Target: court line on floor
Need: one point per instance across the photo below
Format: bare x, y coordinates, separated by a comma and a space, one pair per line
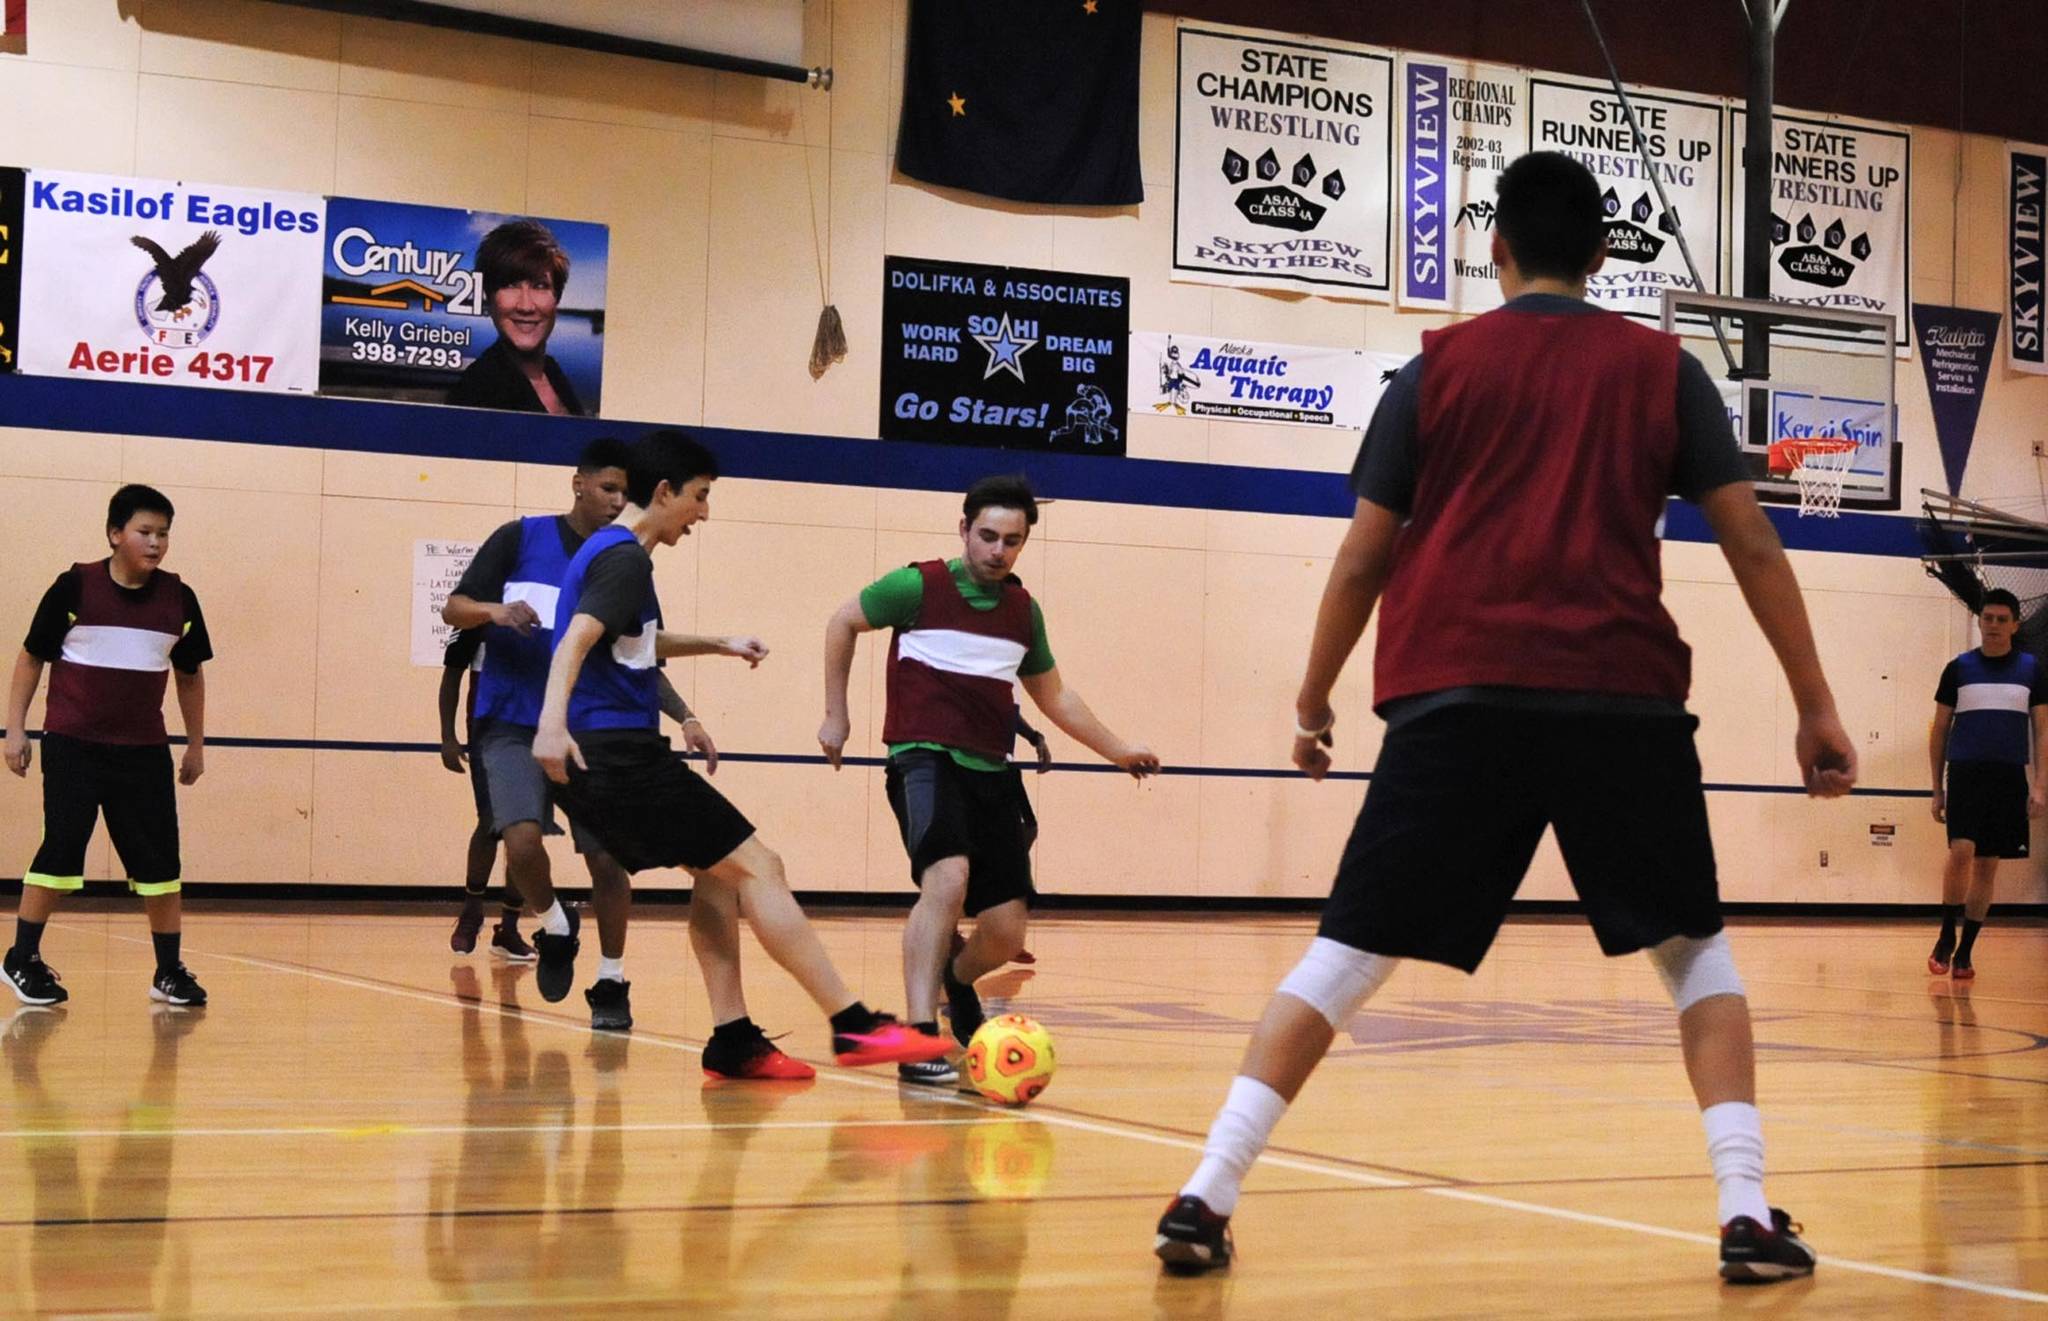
1834, 1263
457, 1130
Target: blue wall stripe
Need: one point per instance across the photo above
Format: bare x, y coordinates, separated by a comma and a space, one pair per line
127, 408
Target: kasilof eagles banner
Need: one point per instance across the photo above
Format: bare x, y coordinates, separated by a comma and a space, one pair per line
2026, 170
1685, 140
1464, 124
1003, 356
1283, 159
171, 283
1841, 201
13, 183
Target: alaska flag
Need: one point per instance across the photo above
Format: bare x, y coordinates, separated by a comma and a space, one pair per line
1030, 100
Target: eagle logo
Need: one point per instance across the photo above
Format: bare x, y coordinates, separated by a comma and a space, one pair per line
177, 304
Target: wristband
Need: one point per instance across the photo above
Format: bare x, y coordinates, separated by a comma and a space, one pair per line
1328, 725
691, 720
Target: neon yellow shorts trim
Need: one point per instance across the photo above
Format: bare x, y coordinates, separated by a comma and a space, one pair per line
54, 882
151, 889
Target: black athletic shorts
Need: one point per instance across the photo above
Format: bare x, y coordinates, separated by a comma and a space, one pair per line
947, 811
1460, 799
1987, 805
134, 787
646, 806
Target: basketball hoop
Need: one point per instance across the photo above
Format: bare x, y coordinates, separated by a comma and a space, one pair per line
1819, 464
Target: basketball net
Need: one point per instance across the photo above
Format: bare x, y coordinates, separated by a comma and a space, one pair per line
1819, 465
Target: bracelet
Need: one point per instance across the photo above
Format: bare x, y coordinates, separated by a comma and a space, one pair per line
691, 720
1328, 725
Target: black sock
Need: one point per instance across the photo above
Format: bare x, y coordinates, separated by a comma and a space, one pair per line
508, 917
1970, 930
930, 1029
739, 1028
1946, 941
856, 1017
28, 936
166, 943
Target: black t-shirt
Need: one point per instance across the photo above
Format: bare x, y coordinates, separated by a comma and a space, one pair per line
54, 613
495, 381
1384, 472
616, 584
484, 579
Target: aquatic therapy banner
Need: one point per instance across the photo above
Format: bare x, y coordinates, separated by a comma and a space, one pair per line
1284, 156
1001, 355
1244, 381
1463, 124
2025, 171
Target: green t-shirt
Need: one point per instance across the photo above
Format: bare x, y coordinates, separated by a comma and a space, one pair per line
892, 601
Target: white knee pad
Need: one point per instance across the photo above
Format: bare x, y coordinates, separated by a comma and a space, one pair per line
1334, 979
1693, 969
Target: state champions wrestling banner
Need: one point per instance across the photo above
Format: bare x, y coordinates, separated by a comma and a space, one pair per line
169, 282
404, 315
1003, 356
1283, 160
1841, 206
2026, 168
13, 183
1227, 380
1685, 139
1462, 124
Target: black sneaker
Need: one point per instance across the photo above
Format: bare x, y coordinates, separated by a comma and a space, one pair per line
1193, 1239
509, 945
1751, 1254
33, 981
611, 1005
463, 939
963, 1006
177, 987
929, 1073
557, 972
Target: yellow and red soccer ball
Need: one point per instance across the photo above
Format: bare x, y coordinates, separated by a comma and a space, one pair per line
1010, 1059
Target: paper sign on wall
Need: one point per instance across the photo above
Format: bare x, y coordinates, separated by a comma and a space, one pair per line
437, 566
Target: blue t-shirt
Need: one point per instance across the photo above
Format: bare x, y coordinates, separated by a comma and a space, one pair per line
522, 561
612, 580
1993, 698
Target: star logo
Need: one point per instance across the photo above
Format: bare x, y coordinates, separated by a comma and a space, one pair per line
958, 102
1088, 5
1005, 349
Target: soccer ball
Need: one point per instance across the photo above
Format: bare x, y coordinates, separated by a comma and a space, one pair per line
1008, 1159
1010, 1059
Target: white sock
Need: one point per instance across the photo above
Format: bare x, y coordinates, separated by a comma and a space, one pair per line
611, 969
1235, 1140
555, 922
1735, 1144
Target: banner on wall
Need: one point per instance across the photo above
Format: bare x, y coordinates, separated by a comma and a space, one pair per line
1003, 356
1685, 138
1956, 347
404, 314
13, 183
1230, 380
437, 566
1840, 220
1464, 124
1284, 154
2026, 169
167, 282
14, 21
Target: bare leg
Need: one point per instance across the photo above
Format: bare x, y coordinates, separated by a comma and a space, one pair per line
1955, 871
483, 854
611, 896
754, 873
1977, 901
37, 903
526, 866
1286, 1046
715, 939
928, 933
1720, 1053
998, 936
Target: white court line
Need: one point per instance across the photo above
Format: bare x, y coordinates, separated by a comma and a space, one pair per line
430, 1130
1833, 1263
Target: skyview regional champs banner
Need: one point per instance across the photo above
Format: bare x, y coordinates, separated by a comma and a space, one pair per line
2025, 170
1003, 356
1465, 123
1842, 193
1283, 157
1685, 139
1242, 381
180, 284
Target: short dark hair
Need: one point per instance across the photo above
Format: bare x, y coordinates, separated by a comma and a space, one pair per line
134, 499
602, 453
667, 455
1009, 491
521, 250
1999, 596
1550, 215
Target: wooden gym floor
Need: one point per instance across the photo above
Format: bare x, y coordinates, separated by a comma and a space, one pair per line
365, 1125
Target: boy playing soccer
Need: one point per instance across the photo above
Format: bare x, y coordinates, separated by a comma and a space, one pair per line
1509, 492
461, 658
112, 632
598, 741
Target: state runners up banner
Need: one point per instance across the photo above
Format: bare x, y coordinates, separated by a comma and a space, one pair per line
2025, 171
1841, 196
1684, 137
1464, 124
1003, 356
172, 283
1284, 153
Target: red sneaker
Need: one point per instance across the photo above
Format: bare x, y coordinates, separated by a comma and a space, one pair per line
1936, 967
887, 1042
1962, 972
754, 1059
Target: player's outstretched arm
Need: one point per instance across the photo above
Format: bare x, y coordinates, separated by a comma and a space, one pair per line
842, 635
1357, 576
669, 646
552, 746
28, 672
1064, 707
1827, 760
